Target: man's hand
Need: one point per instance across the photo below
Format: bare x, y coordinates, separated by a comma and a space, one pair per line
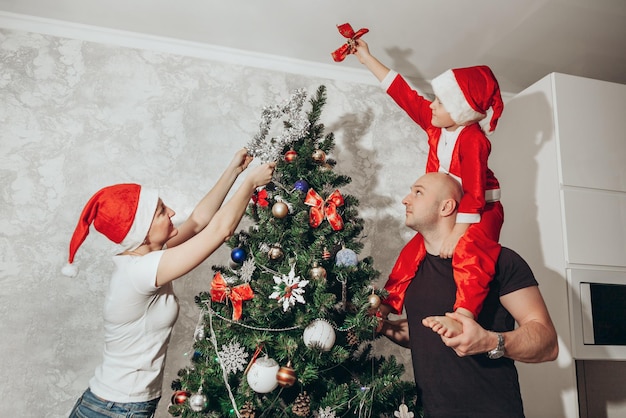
473, 339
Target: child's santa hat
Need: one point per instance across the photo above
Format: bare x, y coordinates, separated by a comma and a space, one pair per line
470, 94
123, 213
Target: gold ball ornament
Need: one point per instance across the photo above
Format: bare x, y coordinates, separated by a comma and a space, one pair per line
374, 300
280, 210
317, 272
286, 376
275, 252
319, 156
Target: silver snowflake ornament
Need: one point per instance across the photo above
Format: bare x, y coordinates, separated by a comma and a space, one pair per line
246, 270
233, 357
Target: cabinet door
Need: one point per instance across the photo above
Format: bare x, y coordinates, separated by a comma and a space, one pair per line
590, 130
595, 227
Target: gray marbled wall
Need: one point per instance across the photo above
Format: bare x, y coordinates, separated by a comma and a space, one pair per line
76, 116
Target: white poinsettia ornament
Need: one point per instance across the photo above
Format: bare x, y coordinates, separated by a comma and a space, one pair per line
325, 413
403, 412
289, 289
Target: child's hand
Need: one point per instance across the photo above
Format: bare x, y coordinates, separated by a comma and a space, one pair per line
448, 246
449, 243
361, 50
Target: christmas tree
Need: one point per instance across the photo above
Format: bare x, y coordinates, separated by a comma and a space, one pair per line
287, 326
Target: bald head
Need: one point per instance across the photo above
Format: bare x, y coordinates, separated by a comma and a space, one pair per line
432, 204
445, 184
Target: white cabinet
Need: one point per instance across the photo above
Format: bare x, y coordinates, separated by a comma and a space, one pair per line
559, 152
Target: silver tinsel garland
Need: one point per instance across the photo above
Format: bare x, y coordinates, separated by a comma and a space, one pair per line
297, 126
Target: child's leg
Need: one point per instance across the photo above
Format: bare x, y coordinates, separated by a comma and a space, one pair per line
475, 259
474, 264
446, 326
403, 272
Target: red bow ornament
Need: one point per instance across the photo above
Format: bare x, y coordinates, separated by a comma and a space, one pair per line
260, 198
321, 209
220, 291
348, 48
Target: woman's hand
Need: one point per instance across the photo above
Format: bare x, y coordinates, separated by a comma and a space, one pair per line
240, 161
261, 175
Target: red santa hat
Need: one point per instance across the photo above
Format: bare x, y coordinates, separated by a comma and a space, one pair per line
123, 213
470, 94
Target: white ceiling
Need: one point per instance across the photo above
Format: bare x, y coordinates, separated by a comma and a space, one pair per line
521, 40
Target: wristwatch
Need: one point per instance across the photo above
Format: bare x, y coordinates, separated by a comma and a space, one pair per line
497, 352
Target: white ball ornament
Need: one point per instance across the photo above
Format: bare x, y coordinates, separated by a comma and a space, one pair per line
262, 375
346, 258
319, 334
198, 402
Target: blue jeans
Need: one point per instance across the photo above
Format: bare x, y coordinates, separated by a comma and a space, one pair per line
90, 406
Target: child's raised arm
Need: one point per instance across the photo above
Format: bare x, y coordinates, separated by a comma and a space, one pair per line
377, 68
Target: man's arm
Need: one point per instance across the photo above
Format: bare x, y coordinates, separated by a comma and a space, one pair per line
533, 341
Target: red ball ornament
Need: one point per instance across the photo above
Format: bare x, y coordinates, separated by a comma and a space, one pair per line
180, 397
286, 376
290, 156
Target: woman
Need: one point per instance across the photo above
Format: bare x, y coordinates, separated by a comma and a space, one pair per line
140, 307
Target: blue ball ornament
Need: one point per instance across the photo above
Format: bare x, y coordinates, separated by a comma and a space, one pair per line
238, 255
346, 258
302, 186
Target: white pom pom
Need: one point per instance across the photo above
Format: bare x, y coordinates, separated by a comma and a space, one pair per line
69, 270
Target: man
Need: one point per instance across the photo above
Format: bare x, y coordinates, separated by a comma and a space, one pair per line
472, 373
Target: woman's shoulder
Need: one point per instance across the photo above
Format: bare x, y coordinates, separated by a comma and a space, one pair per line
139, 270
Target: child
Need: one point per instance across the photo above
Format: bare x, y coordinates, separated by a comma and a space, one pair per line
467, 104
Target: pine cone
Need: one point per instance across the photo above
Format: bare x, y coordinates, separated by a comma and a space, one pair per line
302, 405
247, 410
352, 338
